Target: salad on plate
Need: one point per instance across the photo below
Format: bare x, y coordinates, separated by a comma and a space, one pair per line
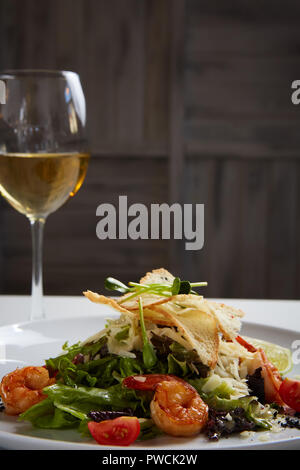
172, 363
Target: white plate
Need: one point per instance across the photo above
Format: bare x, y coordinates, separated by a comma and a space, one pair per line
32, 343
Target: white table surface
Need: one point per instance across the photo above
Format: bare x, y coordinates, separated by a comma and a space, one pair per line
279, 313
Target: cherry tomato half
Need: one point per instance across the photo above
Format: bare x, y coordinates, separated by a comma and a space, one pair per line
115, 432
290, 393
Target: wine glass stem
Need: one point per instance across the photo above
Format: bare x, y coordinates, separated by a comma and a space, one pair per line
37, 229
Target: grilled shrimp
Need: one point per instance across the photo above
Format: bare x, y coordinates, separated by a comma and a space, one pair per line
23, 388
176, 408
270, 374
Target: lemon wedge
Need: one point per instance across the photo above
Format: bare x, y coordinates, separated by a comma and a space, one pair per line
279, 356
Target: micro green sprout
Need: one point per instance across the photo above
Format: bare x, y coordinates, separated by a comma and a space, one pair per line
135, 289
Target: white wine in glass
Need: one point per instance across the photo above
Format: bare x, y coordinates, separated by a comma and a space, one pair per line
43, 151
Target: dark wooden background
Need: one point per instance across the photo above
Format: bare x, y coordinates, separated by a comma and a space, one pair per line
188, 100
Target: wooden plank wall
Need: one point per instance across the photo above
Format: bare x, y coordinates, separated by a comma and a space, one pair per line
187, 100
242, 144
121, 51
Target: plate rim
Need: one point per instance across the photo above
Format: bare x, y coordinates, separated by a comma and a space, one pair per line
93, 446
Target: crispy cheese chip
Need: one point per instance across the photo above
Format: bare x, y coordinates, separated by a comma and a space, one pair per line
101, 299
149, 300
196, 323
228, 319
158, 276
158, 318
155, 317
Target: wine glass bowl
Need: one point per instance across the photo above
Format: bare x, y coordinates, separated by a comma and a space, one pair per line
38, 184
43, 150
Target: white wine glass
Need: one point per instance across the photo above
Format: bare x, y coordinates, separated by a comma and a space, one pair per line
43, 152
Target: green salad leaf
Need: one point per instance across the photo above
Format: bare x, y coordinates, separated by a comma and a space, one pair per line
91, 365
177, 367
85, 399
219, 399
46, 416
148, 430
68, 406
123, 333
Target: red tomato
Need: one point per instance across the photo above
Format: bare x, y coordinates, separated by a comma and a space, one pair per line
147, 381
115, 432
290, 393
